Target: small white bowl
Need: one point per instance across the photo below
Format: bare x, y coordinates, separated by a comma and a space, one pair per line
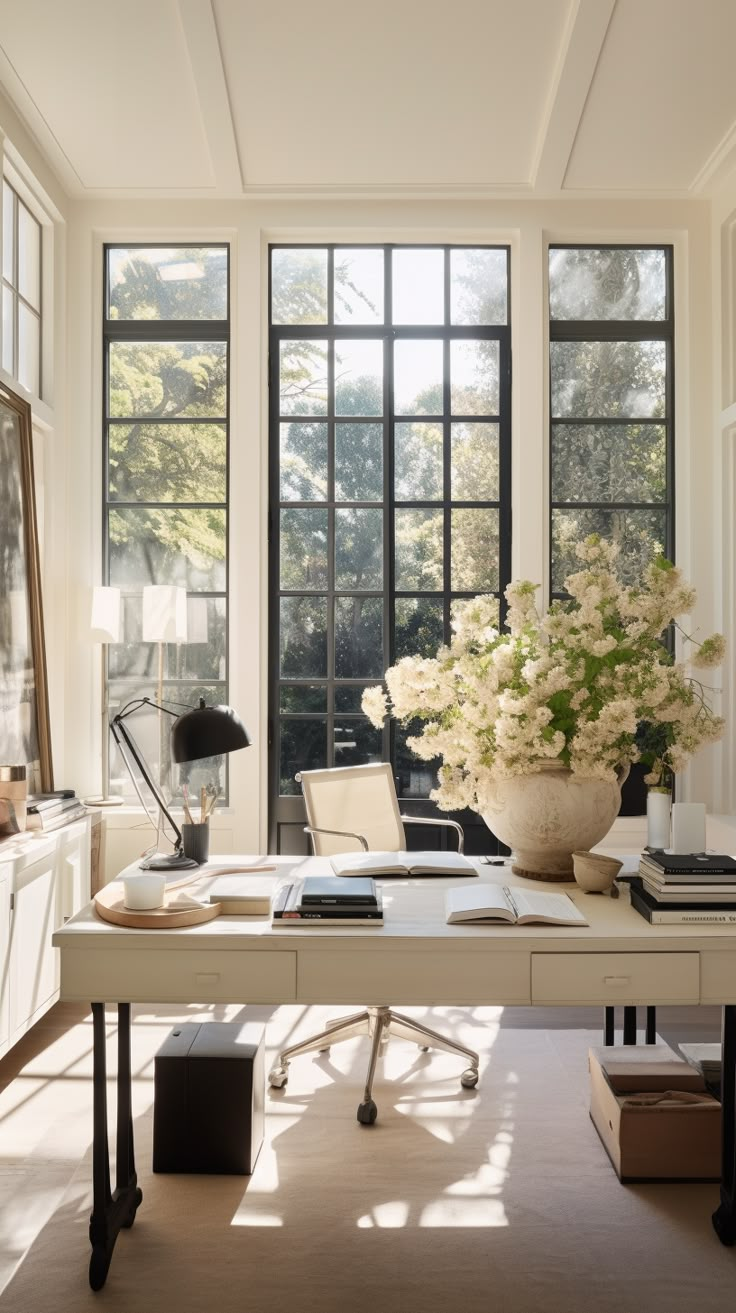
594, 872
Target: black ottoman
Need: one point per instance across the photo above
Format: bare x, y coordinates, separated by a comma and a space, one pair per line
209, 1088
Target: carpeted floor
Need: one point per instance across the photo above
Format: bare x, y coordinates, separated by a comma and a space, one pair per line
498, 1199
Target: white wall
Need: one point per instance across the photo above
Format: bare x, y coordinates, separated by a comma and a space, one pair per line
528, 226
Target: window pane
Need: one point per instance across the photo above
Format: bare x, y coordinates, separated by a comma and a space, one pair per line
359, 378
29, 350
475, 551
348, 697
358, 462
161, 282
475, 462
358, 286
478, 281
298, 286
418, 472
201, 657
167, 462
29, 257
357, 742
303, 697
158, 379
418, 286
608, 379
418, 377
303, 747
640, 536
418, 626
415, 778
418, 538
303, 378
358, 549
474, 377
607, 284
8, 331
183, 546
303, 637
358, 637
303, 466
303, 549
8, 233
608, 462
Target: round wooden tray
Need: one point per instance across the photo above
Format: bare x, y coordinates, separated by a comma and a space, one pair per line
110, 906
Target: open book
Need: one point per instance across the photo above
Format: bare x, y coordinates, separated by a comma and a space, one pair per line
496, 902
419, 863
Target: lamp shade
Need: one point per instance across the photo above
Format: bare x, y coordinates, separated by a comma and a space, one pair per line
164, 614
207, 732
105, 618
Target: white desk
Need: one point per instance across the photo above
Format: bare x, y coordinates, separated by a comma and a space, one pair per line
415, 957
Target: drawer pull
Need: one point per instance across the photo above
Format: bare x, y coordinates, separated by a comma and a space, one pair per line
617, 980
207, 977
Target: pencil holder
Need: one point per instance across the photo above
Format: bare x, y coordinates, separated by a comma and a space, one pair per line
195, 841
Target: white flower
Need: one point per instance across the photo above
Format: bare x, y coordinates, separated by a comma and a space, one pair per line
375, 705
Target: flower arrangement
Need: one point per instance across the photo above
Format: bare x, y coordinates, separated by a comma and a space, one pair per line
589, 683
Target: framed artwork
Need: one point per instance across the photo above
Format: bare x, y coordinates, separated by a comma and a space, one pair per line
24, 711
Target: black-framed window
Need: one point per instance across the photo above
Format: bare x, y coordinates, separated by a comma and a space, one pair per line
165, 496
390, 384
611, 403
21, 291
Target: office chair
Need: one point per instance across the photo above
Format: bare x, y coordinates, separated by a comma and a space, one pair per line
354, 808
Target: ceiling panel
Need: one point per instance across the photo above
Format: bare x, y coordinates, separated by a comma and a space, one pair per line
662, 99
114, 84
399, 92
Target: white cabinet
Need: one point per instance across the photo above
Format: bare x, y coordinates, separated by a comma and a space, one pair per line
44, 879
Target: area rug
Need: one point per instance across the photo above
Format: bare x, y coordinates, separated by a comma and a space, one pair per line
497, 1199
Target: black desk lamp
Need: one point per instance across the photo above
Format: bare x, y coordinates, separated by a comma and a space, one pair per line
201, 732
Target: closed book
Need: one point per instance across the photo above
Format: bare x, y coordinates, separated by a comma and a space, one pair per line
243, 895
289, 909
56, 821
679, 868
328, 890
690, 893
679, 914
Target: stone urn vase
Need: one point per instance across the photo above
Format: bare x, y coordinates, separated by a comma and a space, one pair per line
546, 816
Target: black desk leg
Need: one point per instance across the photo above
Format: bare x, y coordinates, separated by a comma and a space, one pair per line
724, 1218
629, 1025
609, 1026
111, 1211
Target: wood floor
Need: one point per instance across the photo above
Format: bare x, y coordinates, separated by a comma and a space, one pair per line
46, 1099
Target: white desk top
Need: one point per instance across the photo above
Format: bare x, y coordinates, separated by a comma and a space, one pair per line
414, 912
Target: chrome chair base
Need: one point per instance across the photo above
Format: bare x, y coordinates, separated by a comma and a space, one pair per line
380, 1023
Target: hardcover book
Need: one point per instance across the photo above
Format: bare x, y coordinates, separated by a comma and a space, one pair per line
498, 902
400, 863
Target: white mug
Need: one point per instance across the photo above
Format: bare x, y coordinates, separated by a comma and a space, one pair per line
144, 890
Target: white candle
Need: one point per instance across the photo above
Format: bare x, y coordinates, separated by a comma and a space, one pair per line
143, 890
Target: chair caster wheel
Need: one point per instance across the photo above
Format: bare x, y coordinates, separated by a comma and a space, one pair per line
321, 1051
367, 1113
424, 1048
278, 1077
470, 1078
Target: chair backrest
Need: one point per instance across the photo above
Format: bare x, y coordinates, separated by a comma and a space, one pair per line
361, 799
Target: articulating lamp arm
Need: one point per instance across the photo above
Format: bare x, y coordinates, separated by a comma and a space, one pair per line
130, 752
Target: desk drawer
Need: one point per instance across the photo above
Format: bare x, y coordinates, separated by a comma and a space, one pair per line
615, 978
412, 978
140, 975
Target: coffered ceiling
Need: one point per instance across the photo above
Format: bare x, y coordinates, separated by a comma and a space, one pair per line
226, 98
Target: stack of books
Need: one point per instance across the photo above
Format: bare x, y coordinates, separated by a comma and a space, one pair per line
49, 811
328, 901
685, 888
